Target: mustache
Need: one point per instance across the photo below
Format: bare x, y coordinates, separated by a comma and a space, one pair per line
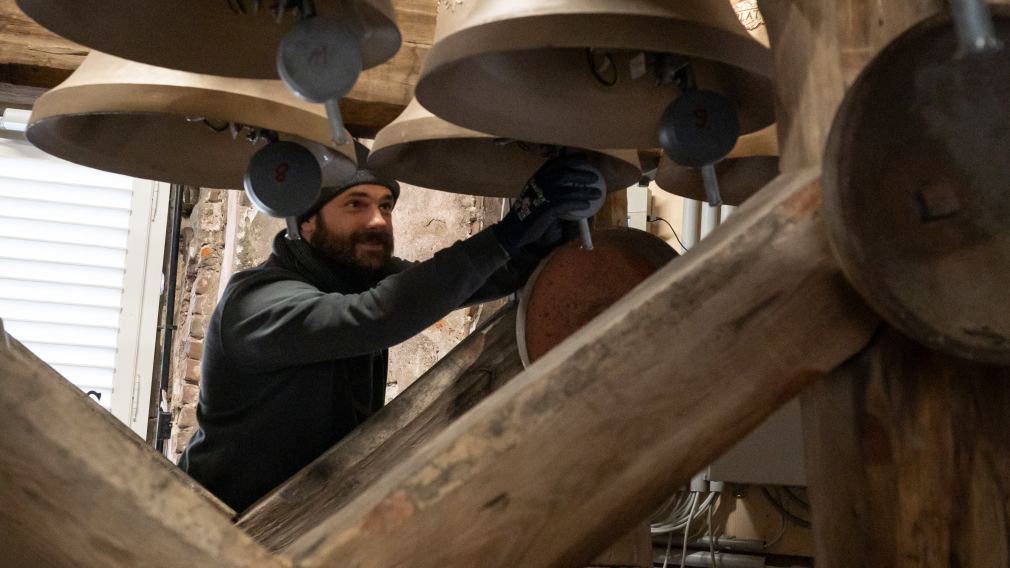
372, 237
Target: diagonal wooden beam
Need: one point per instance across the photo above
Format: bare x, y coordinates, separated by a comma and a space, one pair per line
583, 443
79, 489
32, 56
479, 365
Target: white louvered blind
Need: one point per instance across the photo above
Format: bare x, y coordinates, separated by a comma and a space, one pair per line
80, 261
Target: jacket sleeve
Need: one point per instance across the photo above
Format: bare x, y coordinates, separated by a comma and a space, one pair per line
504, 281
286, 323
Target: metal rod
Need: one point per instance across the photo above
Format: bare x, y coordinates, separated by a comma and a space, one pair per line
336, 122
975, 30
712, 194
690, 226
293, 233
587, 239
709, 219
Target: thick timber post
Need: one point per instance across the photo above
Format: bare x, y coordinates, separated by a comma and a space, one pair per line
906, 447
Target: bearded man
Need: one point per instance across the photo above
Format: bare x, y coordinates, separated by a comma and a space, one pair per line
295, 354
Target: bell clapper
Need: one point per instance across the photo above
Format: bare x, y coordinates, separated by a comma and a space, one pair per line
320, 61
698, 129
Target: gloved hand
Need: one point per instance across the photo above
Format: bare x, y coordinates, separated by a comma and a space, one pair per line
562, 185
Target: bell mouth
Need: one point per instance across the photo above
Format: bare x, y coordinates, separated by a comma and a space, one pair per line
162, 147
431, 153
739, 178
505, 77
211, 37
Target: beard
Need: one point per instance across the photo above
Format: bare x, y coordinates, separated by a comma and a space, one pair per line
366, 252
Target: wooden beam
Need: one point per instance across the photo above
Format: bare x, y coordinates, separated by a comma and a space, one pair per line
79, 489
908, 455
906, 449
32, 56
479, 365
589, 439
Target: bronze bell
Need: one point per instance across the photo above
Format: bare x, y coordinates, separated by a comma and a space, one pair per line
155, 123
751, 164
592, 74
421, 149
234, 38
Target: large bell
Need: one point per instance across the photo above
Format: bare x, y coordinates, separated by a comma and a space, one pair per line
235, 38
751, 164
421, 149
584, 73
155, 123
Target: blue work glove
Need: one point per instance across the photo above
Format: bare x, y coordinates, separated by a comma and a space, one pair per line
562, 185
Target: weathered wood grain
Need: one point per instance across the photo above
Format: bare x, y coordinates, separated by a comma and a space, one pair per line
588, 439
79, 489
908, 456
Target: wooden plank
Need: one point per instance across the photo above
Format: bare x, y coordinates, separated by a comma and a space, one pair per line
475, 368
908, 455
31, 55
587, 441
79, 489
18, 96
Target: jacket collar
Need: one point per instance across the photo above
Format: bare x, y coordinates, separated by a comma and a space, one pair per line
301, 257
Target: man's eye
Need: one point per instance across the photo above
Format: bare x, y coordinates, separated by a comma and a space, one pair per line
386, 207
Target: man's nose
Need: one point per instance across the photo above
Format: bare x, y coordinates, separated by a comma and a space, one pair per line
376, 218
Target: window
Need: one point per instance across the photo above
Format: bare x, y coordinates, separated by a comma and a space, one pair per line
80, 270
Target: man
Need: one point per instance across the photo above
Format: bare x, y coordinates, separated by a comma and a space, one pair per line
295, 354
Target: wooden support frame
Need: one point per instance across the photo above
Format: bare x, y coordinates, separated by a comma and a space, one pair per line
906, 448
757, 302
78, 488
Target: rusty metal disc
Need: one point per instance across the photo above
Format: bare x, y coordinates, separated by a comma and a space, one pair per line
915, 186
572, 285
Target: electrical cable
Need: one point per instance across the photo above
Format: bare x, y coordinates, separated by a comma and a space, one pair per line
778, 537
653, 219
669, 544
783, 510
711, 540
795, 498
687, 531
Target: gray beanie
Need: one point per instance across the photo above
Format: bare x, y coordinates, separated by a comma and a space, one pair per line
359, 177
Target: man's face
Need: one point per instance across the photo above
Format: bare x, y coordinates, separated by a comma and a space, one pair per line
355, 228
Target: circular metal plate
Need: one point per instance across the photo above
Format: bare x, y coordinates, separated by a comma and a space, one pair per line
915, 187
319, 59
699, 128
572, 285
283, 179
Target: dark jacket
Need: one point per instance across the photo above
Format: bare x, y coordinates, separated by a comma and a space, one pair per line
295, 354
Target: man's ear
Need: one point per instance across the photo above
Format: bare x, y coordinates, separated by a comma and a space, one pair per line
308, 228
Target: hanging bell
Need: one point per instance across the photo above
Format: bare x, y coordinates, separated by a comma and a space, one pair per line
234, 38
421, 149
751, 164
161, 124
591, 74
